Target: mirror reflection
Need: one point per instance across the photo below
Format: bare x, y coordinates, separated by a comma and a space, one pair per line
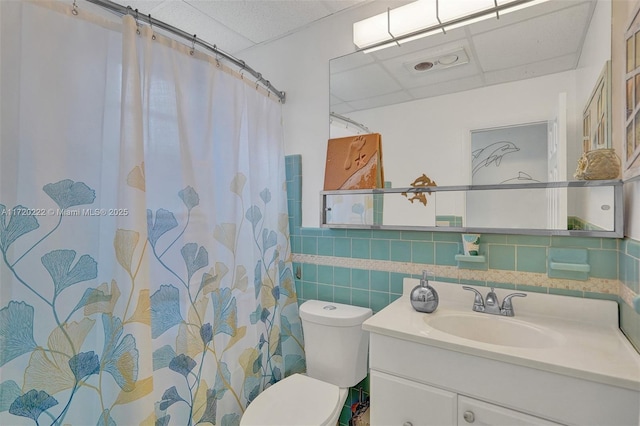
536, 209
539, 65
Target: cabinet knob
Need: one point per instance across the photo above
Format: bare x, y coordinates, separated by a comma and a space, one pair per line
407, 424
469, 417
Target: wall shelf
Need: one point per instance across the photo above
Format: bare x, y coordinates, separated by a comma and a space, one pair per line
568, 263
472, 259
372, 208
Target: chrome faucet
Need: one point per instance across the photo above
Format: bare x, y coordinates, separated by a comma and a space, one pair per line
490, 304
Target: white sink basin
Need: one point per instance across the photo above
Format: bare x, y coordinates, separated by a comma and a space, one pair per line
493, 329
573, 336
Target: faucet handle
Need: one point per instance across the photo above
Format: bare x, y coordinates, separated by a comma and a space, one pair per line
507, 305
491, 299
478, 301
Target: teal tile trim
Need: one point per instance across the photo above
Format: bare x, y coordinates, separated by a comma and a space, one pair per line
581, 242
531, 259
446, 253
422, 252
325, 246
380, 249
527, 240
361, 248
309, 245
611, 261
604, 264
502, 257
633, 248
400, 251
380, 281
325, 274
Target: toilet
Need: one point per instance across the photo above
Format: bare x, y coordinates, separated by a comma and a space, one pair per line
336, 350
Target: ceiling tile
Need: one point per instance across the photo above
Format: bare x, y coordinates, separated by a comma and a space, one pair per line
459, 85
338, 5
349, 62
187, 18
260, 21
538, 69
371, 81
538, 39
380, 101
144, 6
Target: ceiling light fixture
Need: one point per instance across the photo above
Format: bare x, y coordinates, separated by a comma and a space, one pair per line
425, 17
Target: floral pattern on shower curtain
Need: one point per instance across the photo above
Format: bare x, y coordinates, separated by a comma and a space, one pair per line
146, 272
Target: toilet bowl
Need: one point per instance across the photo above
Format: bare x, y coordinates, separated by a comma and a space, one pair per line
336, 350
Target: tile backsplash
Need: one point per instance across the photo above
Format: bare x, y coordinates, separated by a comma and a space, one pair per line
366, 267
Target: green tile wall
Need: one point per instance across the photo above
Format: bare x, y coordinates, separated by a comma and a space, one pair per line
610, 259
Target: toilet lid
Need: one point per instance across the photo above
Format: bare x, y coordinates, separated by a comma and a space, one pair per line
297, 400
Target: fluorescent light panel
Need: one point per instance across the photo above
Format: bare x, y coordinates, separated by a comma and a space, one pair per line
421, 15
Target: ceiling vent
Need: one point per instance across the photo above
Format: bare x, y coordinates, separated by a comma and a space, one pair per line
440, 61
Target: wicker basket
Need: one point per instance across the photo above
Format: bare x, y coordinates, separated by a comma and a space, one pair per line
598, 164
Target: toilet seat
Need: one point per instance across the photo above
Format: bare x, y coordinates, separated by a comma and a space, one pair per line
298, 400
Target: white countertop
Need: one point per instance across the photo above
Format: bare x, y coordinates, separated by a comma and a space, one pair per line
588, 343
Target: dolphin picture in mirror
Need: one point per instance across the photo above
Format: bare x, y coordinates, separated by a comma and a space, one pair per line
491, 155
509, 153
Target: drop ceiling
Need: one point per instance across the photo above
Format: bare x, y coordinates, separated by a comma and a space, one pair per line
536, 41
234, 25
540, 40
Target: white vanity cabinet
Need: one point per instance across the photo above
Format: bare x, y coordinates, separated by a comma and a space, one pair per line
416, 384
397, 401
475, 412
560, 361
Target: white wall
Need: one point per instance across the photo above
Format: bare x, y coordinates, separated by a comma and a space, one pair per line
433, 136
443, 123
299, 64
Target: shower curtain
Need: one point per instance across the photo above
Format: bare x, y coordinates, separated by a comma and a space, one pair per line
146, 272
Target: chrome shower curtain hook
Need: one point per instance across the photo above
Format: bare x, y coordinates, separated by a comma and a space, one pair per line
153, 35
193, 46
137, 23
74, 8
215, 49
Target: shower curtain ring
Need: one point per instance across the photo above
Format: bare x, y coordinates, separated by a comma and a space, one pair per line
215, 49
193, 46
74, 8
153, 35
137, 23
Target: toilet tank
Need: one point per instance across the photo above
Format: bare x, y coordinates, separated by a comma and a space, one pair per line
336, 346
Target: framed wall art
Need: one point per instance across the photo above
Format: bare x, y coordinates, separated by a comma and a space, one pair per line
596, 117
632, 93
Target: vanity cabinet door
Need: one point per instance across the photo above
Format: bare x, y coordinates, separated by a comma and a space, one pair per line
472, 412
399, 402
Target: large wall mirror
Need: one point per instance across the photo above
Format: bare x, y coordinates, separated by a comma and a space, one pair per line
434, 99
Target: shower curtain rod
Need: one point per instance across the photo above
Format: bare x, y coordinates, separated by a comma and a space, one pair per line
127, 10
348, 121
